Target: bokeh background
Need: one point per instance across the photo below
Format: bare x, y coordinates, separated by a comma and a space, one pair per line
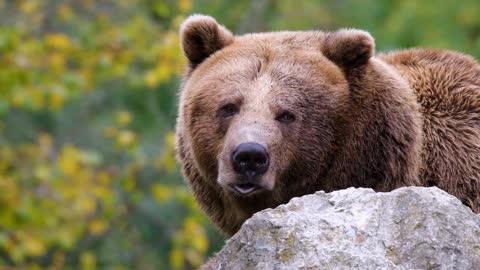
88, 178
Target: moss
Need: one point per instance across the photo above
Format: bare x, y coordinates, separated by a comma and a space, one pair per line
285, 254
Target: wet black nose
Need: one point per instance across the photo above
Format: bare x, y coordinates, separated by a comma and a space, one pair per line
250, 159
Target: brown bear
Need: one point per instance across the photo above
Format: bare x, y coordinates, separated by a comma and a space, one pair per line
270, 116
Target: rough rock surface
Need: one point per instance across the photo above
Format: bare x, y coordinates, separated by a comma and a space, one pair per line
409, 228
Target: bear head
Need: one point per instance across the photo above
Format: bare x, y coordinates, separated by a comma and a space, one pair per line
262, 116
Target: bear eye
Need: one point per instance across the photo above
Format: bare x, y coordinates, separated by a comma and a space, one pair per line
228, 110
285, 117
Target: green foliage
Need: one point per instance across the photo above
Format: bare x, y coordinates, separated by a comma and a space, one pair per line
88, 178
87, 168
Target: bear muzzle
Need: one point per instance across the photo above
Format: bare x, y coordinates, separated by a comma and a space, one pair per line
249, 161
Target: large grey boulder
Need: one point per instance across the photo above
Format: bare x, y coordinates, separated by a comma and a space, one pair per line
409, 228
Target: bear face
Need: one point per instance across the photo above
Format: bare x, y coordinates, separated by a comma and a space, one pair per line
255, 92
247, 95
267, 117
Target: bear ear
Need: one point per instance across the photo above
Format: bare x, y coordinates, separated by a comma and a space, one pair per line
201, 36
349, 48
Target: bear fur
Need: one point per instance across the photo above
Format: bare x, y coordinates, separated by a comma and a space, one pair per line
355, 119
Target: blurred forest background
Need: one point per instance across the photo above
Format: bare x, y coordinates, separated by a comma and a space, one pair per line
88, 178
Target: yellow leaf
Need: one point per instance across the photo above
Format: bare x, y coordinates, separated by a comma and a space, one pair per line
34, 267
42, 172
184, 5
30, 7
168, 162
57, 61
176, 258
37, 97
106, 196
87, 76
9, 245
124, 118
66, 237
69, 160
129, 184
193, 257
97, 226
88, 261
65, 12
190, 225
126, 138
151, 79
18, 99
58, 41
161, 8
32, 245
161, 192
56, 100
170, 140
104, 178
87, 205
200, 242
164, 71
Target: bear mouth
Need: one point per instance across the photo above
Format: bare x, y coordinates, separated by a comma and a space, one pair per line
245, 189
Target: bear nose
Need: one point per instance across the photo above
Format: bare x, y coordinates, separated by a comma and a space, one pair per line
250, 159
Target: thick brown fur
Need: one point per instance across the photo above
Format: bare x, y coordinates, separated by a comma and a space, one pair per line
408, 118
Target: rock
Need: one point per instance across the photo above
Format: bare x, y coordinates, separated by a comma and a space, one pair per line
408, 228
